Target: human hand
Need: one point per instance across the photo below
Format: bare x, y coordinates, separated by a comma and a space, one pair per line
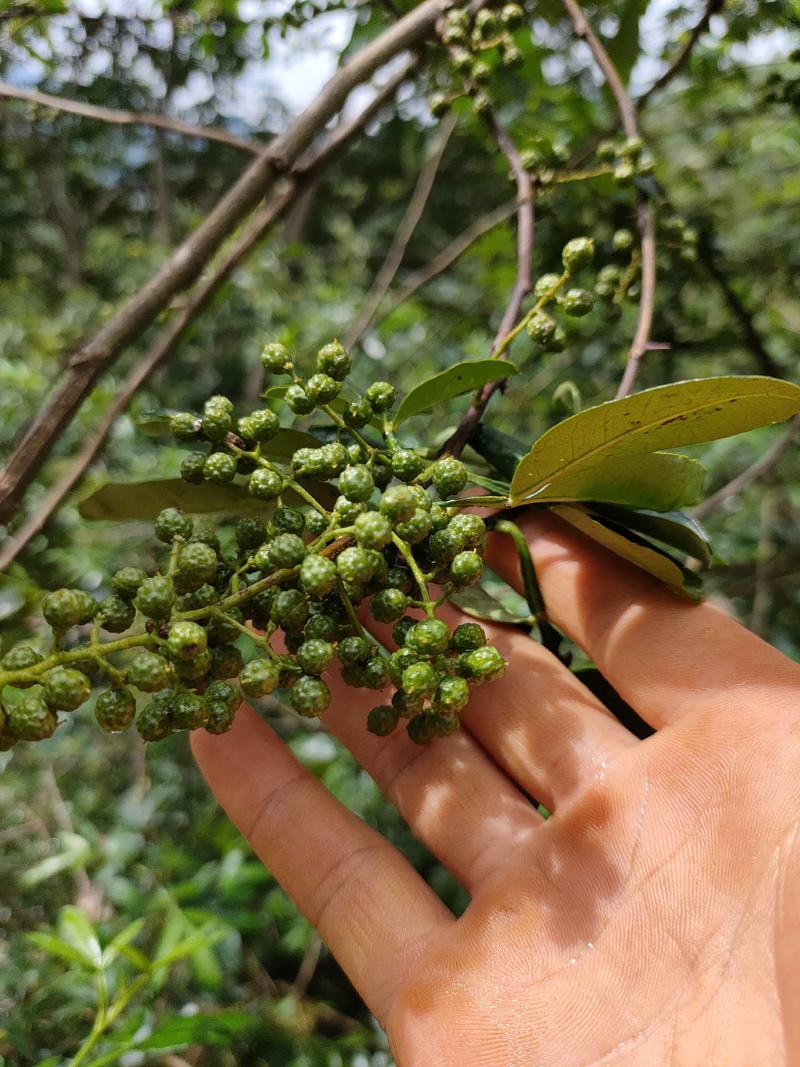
652, 919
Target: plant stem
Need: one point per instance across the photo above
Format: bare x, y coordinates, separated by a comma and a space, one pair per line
419, 577
551, 638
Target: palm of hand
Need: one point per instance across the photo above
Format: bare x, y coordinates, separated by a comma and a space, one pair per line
649, 921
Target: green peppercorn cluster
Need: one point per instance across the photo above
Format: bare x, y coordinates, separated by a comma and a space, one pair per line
628, 158
354, 527
472, 40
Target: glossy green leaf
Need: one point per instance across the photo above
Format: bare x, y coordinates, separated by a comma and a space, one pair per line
204, 1029
75, 928
661, 481
455, 381
665, 417
55, 946
636, 550
75, 851
129, 501
672, 528
122, 941
502, 451
474, 600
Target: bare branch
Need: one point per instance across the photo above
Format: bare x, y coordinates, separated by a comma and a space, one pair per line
448, 255
397, 249
522, 284
644, 213
305, 173
684, 51
130, 118
189, 259
752, 473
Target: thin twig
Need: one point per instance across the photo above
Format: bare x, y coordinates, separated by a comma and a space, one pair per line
118, 117
448, 255
752, 473
684, 51
305, 172
397, 250
644, 213
522, 284
188, 260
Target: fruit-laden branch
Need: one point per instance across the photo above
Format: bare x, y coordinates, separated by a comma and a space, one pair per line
644, 213
405, 231
305, 172
522, 284
116, 117
189, 259
755, 471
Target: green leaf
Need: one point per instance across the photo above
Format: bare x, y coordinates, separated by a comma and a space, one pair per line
624, 46
197, 940
455, 381
499, 449
673, 528
665, 417
634, 549
182, 1030
75, 851
474, 600
122, 941
76, 930
56, 947
286, 442
662, 481
154, 423
127, 501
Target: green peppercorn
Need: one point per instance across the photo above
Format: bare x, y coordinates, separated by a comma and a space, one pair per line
577, 302
406, 705
259, 678
449, 476
334, 359
354, 650
388, 605
193, 468
380, 396
420, 679
398, 661
149, 672
316, 523
321, 627
355, 483
184, 426
275, 358
217, 418
466, 568
622, 240
557, 341
172, 524
126, 582
115, 709
382, 720
444, 545
223, 692
287, 550
421, 728
354, 565
157, 595
357, 413
196, 564
545, 284
375, 673
220, 717
265, 484
186, 640
407, 464
289, 609
452, 694
154, 721
624, 172
318, 576
20, 659
287, 520
309, 696
428, 637
66, 689
484, 664
298, 400
444, 722
321, 388
398, 503
541, 327
372, 530
30, 720
468, 636
220, 467
64, 608
577, 254
189, 711
315, 656
116, 615
226, 662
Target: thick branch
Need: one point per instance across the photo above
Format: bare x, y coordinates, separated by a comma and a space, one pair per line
644, 213
304, 174
752, 473
129, 118
397, 249
186, 263
522, 284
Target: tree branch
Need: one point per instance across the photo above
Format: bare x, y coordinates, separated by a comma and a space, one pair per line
522, 284
397, 249
304, 174
684, 51
118, 117
449, 254
188, 260
752, 473
644, 212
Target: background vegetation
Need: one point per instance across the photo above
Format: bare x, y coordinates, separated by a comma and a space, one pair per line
98, 825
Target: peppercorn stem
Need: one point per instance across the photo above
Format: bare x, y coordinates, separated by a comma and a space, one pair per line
59, 659
419, 577
368, 448
351, 611
551, 639
545, 298
309, 499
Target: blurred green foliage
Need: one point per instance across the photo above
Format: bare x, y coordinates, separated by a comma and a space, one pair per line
87, 211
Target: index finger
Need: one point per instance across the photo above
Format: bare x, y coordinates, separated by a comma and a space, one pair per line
662, 654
